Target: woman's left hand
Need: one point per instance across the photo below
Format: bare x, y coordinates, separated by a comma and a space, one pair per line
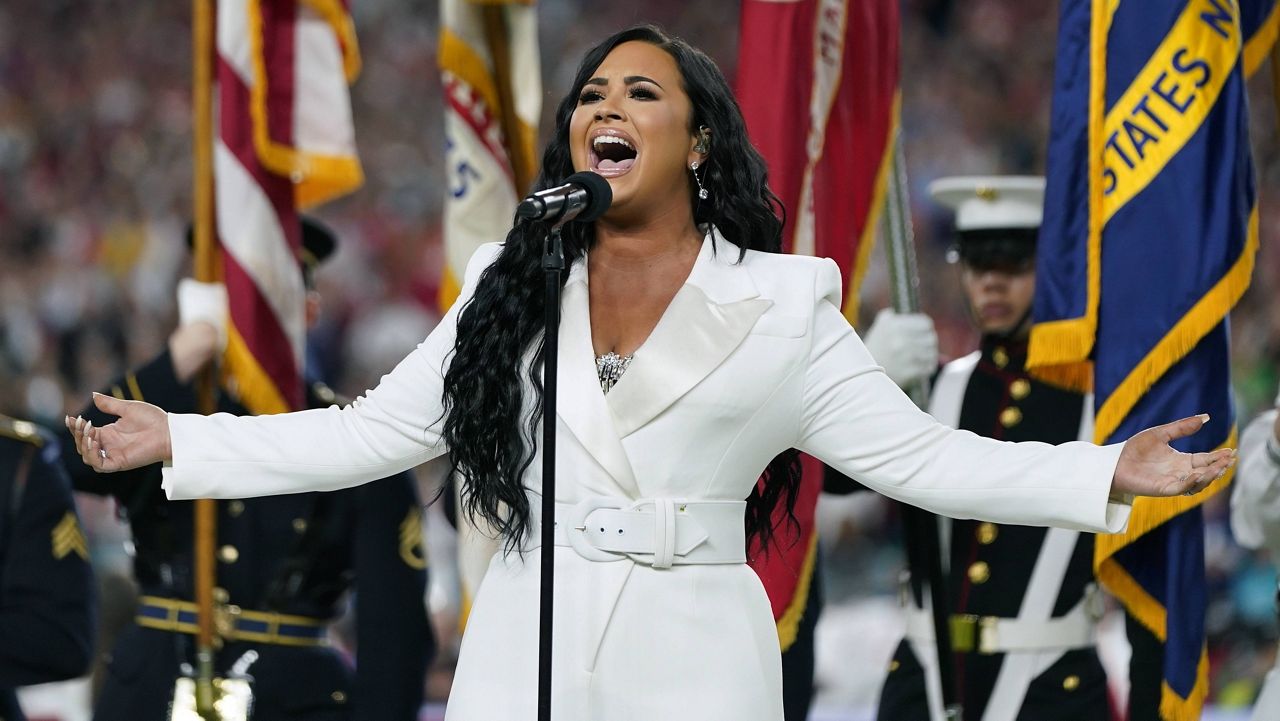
1148, 466
139, 437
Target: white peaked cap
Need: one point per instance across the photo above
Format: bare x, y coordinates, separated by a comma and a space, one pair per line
992, 202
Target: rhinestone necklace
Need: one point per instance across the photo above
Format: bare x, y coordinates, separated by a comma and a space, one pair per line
610, 367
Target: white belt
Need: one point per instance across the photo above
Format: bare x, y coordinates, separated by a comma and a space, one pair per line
992, 634
660, 532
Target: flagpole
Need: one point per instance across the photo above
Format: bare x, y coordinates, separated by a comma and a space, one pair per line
518, 147
204, 270
920, 526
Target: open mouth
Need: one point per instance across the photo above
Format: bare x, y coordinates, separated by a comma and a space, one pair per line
612, 154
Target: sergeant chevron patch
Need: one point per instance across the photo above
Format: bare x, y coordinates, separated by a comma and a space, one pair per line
68, 538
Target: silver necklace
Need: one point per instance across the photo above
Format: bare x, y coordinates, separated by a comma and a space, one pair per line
610, 367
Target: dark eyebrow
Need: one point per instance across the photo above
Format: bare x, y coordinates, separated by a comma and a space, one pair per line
633, 79
629, 80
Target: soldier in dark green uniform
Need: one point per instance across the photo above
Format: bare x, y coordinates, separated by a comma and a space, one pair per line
46, 584
1024, 600
284, 566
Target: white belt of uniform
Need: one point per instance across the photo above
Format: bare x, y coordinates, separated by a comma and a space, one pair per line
993, 634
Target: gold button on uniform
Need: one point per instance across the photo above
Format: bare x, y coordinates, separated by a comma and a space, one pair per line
979, 572
1071, 683
338, 697
220, 595
987, 533
893, 665
300, 525
1000, 356
228, 554
1020, 389
235, 508
1010, 417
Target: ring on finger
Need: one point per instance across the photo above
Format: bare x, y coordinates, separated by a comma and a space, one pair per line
102, 453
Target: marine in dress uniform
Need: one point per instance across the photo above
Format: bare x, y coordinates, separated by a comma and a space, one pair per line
1024, 600
46, 584
284, 565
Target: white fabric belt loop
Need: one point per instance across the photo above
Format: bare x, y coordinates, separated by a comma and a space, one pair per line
660, 532
1073, 630
664, 532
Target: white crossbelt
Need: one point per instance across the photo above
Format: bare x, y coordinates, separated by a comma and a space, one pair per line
991, 634
659, 532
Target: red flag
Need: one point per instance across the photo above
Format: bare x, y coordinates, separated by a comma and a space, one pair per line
818, 84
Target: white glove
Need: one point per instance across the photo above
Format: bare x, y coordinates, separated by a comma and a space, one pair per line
203, 303
905, 344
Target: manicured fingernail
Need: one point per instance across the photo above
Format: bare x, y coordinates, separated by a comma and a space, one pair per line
1204, 418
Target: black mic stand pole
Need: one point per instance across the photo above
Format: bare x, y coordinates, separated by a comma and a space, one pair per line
553, 266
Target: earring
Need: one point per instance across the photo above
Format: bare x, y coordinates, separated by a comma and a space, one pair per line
704, 140
702, 192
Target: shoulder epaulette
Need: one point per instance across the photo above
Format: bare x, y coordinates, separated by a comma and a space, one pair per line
24, 431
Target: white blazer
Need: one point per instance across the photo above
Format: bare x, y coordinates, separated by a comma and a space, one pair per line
749, 359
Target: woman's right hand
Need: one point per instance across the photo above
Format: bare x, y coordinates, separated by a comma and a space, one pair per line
139, 438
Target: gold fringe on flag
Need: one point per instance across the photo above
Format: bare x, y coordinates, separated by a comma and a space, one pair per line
789, 624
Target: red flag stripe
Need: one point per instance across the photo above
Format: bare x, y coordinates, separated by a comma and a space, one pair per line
261, 236
258, 324
278, 29
236, 129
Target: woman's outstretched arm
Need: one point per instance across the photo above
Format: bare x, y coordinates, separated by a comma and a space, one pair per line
857, 421
391, 428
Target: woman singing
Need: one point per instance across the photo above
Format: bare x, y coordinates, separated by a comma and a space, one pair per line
694, 358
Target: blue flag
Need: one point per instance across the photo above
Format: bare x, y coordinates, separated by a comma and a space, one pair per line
1149, 237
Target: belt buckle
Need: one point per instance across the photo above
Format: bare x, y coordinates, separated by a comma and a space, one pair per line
964, 632
576, 529
226, 618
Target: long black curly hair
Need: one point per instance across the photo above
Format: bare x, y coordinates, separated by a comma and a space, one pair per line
489, 428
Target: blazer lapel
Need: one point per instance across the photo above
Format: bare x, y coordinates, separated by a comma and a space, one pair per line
708, 319
581, 403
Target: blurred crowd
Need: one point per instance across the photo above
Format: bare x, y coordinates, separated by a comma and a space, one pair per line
95, 177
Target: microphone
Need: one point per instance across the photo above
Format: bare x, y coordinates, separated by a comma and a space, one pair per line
583, 197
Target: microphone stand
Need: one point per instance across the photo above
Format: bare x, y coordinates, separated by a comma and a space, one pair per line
553, 267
